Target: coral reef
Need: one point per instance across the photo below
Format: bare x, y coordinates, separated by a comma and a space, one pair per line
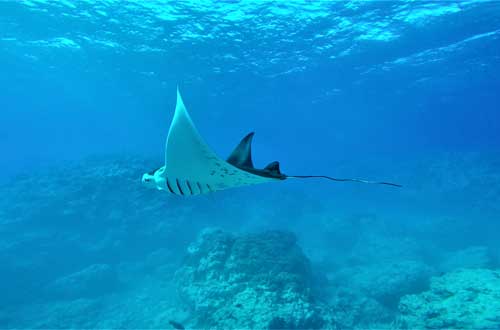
463, 299
260, 281
85, 246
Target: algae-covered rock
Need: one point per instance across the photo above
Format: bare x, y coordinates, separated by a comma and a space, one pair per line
251, 281
464, 299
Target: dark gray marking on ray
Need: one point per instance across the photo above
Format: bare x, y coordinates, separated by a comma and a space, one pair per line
179, 187
189, 186
170, 188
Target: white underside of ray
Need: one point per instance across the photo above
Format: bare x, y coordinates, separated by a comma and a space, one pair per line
189, 159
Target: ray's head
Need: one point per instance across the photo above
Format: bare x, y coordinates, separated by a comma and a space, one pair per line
148, 180
151, 179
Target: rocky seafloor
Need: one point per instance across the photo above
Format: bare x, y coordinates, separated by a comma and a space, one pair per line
86, 246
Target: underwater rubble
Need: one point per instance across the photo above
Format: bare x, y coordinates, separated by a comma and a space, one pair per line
470, 257
462, 299
91, 281
387, 282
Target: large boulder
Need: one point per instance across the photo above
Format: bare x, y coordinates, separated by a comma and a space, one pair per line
464, 299
258, 281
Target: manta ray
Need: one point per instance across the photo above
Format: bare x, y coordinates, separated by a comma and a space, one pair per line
193, 168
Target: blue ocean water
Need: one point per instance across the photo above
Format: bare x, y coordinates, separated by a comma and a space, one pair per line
399, 91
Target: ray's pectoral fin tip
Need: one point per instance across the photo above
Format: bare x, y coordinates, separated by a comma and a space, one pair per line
193, 168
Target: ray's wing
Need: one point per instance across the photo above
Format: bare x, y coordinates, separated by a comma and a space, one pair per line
188, 157
186, 154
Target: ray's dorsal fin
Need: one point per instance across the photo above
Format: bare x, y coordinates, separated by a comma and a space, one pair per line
242, 154
273, 167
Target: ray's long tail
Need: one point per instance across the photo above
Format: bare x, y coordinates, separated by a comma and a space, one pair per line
343, 180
